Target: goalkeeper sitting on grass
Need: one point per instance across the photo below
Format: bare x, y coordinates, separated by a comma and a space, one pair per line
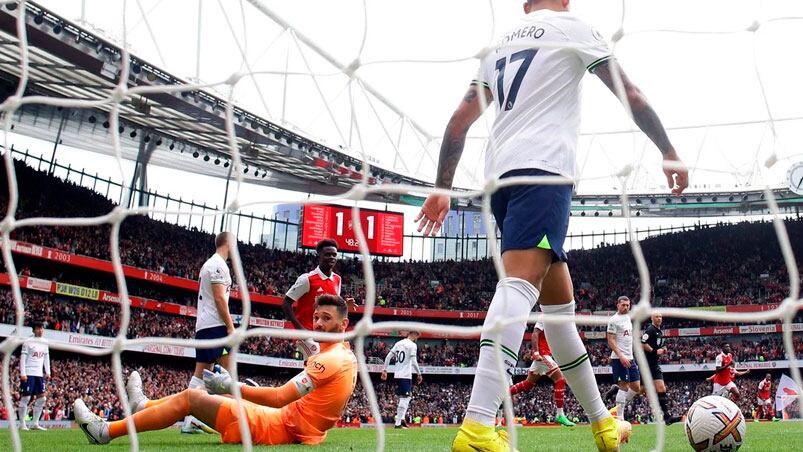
301, 411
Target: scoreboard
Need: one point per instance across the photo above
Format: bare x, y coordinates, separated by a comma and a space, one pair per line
384, 231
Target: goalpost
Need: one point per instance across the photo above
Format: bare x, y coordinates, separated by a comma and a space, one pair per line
622, 175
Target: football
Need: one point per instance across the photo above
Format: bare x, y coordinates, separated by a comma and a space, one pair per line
715, 423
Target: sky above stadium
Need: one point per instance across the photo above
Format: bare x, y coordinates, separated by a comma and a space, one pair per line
697, 62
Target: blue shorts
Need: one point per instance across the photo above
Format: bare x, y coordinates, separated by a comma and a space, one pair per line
531, 216
405, 387
628, 375
33, 386
210, 355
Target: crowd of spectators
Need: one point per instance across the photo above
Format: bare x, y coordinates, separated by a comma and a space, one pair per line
445, 401
103, 319
706, 266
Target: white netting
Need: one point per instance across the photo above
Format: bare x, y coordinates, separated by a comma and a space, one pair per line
785, 312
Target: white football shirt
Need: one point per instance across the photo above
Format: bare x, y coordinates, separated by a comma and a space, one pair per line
622, 327
35, 357
537, 91
404, 352
214, 271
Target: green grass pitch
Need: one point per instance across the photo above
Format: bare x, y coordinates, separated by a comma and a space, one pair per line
780, 436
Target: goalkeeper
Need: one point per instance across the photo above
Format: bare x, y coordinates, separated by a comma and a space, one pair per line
301, 411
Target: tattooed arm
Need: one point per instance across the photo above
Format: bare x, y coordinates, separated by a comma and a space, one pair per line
454, 138
435, 208
647, 120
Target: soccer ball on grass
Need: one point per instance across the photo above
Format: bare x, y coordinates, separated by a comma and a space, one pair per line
715, 423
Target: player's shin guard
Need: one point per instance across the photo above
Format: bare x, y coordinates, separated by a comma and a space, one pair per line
23, 408
514, 297
401, 411
571, 355
38, 406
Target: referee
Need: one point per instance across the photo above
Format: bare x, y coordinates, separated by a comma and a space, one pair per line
652, 341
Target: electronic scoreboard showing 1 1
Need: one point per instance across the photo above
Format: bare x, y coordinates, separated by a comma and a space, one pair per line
384, 231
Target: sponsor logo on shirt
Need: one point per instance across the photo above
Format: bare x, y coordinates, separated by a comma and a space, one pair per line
318, 367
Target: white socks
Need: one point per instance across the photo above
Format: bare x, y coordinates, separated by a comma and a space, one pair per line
622, 399
195, 382
401, 411
38, 406
559, 412
514, 297
571, 355
23, 409
621, 403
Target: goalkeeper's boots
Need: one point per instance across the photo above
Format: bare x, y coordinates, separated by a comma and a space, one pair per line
136, 397
96, 431
610, 433
473, 437
564, 421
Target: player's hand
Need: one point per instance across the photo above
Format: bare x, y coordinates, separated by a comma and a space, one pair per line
536, 357
309, 347
217, 382
384, 375
351, 303
434, 210
677, 175
47, 376
229, 330
420, 379
625, 362
23, 378
660, 351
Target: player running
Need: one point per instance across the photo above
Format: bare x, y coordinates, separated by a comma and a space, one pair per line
543, 364
763, 398
725, 373
405, 353
300, 299
300, 411
652, 341
34, 370
537, 100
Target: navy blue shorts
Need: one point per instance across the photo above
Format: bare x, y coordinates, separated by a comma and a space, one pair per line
628, 375
405, 387
33, 386
210, 355
531, 216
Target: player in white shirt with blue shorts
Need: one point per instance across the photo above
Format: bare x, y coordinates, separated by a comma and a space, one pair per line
213, 319
34, 370
405, 354
625, 369
532, 78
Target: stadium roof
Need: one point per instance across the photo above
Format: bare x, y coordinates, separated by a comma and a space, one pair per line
69, 61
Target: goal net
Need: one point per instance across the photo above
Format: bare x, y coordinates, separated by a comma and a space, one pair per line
385, 64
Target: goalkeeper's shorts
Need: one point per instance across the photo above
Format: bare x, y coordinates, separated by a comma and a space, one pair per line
544, 367
264, 423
